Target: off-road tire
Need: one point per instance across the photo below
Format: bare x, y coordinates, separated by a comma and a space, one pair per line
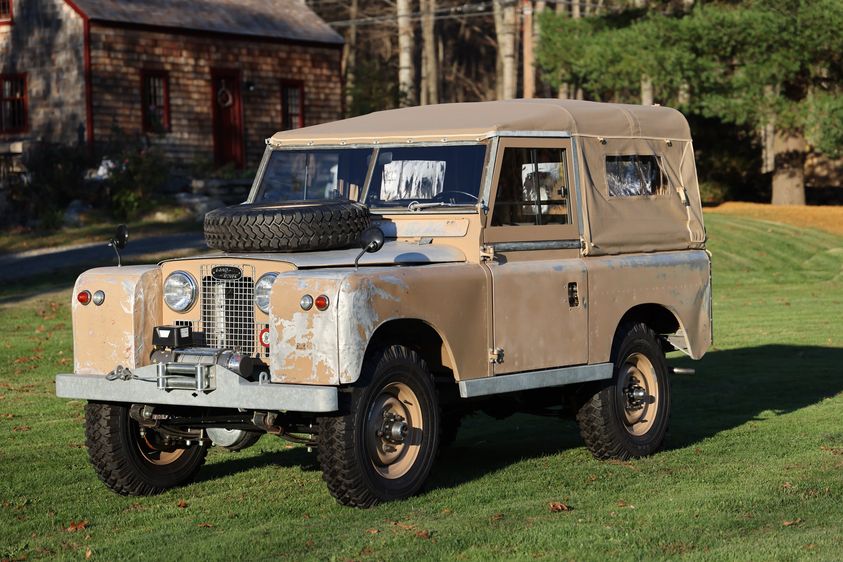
348, 469
602, 418
292, 227
112, 438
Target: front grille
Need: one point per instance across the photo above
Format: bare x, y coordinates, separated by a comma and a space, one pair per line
228, 310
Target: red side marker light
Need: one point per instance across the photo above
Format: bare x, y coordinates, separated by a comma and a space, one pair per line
322, 302
84, 297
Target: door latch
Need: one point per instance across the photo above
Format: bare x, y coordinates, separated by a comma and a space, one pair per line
573, 295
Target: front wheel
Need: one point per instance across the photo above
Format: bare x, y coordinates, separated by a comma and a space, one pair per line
132, 464
383, 445
628, 416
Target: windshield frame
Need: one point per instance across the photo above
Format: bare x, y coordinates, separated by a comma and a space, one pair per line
364, 192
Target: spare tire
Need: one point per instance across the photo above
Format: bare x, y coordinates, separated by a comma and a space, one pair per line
291, 227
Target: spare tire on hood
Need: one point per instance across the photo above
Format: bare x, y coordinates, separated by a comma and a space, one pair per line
295, 226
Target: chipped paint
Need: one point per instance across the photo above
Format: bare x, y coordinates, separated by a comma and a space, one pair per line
119, 332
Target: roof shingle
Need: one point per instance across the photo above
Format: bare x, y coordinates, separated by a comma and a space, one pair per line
277, 19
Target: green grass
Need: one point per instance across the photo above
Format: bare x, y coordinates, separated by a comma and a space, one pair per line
753, 469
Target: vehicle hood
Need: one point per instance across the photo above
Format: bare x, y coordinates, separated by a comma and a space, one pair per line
392, 253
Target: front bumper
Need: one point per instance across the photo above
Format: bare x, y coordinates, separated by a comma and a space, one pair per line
228, 390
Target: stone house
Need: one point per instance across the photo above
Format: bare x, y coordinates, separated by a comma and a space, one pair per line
204, 79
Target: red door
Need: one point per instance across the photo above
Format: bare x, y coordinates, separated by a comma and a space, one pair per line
228, 117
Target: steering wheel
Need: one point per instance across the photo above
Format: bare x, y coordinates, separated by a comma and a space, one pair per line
454, 197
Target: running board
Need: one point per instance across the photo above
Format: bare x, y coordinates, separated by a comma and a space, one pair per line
534, 379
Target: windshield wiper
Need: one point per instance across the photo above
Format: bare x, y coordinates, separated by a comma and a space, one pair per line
416, 206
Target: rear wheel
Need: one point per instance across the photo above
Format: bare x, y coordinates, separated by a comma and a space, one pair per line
382, 448
628, 416
132, 464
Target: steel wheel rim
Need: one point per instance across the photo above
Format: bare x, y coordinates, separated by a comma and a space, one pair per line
391, 458
151, 454
638, 374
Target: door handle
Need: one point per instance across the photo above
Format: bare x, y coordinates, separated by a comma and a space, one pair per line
573, 295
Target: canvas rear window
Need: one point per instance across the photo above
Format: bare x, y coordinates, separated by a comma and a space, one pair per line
635, 176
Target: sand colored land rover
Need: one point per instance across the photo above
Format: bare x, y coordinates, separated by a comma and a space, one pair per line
393, 272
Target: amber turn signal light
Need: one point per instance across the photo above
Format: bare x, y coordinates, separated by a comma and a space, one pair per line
322, 302
84, 297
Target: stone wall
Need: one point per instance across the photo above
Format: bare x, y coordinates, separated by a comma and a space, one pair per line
46, 43
118, 54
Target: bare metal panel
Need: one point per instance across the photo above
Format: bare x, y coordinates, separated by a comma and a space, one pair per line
535, 379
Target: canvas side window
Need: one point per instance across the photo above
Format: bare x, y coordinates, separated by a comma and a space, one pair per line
532, 188
635, 175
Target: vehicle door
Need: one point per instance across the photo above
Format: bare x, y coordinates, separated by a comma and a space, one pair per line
537, 272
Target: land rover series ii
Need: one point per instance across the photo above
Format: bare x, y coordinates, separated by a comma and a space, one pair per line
390, 273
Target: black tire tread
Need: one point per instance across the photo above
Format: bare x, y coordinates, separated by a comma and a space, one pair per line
322, 225
595, 418
336, 445
107, 455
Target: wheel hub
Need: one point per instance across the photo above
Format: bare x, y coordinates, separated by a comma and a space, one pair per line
636, 395
394, 428
639, 394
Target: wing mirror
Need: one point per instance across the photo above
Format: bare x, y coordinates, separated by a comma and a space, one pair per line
119, 240
371, 241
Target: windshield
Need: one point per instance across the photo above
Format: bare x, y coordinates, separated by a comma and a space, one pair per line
293, 175
413, 178
421, 177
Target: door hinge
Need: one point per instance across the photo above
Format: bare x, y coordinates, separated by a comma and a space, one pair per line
496, 355
487, 253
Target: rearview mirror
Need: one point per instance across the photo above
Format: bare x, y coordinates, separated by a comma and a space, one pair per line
121, 237
372, 239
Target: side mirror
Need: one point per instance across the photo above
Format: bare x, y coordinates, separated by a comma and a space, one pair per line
121, 237
119, 241
371, 240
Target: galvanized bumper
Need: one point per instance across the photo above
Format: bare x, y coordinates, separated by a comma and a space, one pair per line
227, 390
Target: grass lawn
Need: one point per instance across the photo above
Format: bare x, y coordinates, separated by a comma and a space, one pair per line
753, 469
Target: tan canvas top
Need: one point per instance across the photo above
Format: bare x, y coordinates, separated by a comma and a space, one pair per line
461, 121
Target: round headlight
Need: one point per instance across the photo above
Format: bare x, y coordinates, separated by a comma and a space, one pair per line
262, 288
180, 291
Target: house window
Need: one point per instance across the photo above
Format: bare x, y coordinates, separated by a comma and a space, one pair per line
5, 11
635, 175
532, 188
292, 105
155, 96
13, 107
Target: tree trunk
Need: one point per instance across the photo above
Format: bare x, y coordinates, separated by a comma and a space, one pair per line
430, 60
406, 70
789, 173
529, 62
350, 55
499, 32
506, 48
646, 90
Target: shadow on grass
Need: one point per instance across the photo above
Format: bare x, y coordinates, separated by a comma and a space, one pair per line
729, 388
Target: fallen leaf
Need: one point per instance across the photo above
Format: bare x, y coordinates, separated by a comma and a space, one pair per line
787, 485
305, 516
447, 511
76, 526
182, 504
423, 534
88, 553
793, 523
373, 531
556, 507
497, 516
205, 525
7, 416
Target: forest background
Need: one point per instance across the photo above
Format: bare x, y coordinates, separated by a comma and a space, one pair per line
759, 80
